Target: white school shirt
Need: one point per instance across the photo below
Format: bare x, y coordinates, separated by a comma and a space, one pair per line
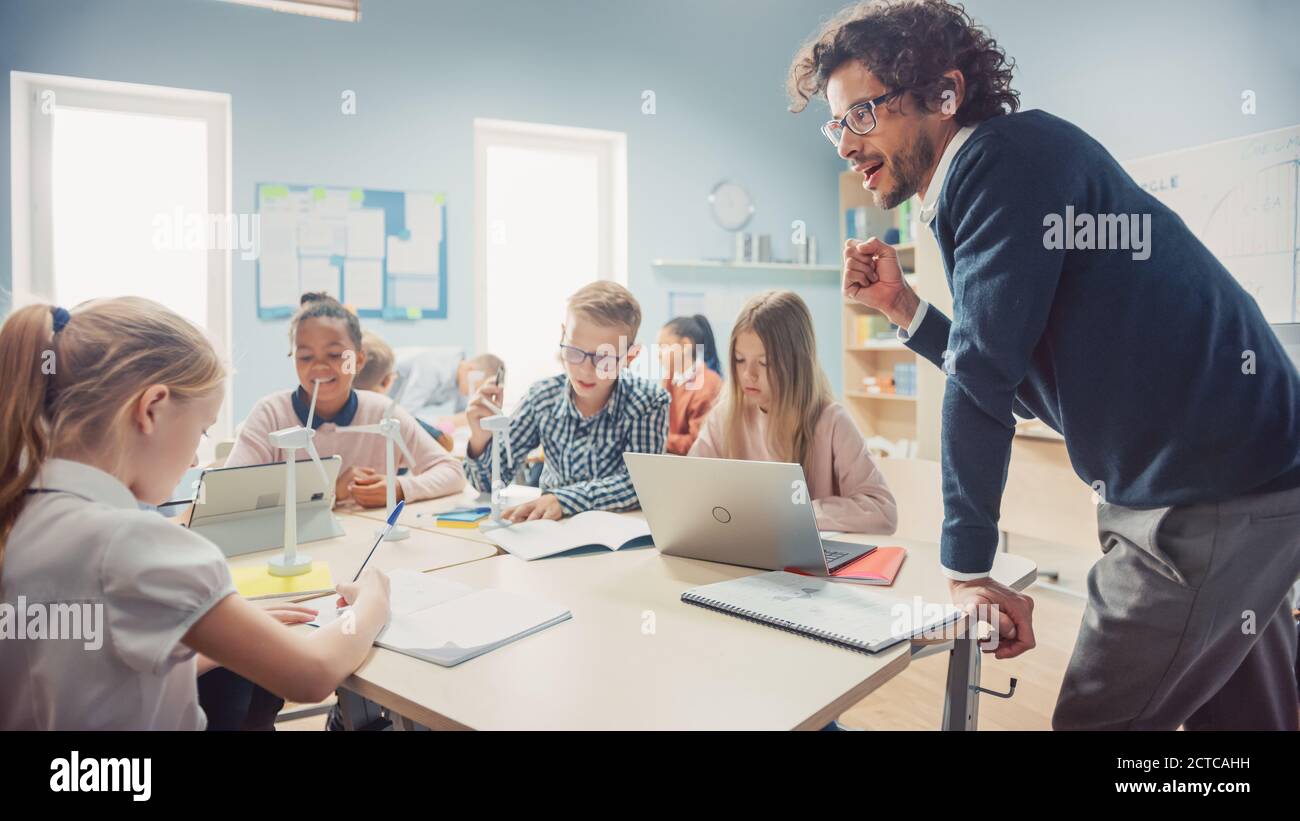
81, 538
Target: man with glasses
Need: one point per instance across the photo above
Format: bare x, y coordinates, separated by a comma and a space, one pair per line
1178, 405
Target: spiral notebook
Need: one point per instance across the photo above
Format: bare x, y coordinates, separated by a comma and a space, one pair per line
860, 619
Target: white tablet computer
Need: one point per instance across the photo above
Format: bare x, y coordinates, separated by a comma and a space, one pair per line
241, 509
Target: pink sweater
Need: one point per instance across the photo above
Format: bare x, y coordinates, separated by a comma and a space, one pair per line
434, 473
848, 490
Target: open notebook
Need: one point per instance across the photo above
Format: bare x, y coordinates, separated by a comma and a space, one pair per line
595, 528
447, 622
852, 617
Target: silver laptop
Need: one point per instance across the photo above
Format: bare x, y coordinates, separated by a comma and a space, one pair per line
754, 514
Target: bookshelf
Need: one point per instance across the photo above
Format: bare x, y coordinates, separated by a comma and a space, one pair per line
873, 352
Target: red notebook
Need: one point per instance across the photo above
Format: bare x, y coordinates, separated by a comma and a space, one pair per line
880, 566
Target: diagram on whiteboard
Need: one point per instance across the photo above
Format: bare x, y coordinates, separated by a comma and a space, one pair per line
1240, 198
383, 253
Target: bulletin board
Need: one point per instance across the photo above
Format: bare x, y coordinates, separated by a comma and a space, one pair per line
382, 253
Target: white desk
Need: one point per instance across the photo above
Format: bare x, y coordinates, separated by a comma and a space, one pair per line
424, 515
603, 669
344, 554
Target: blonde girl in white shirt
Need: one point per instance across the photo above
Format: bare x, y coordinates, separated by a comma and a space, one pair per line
104, 408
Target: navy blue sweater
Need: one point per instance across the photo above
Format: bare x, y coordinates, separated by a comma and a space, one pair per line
1141, 364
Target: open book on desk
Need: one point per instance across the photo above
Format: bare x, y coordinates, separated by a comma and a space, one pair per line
547, 537
447, 622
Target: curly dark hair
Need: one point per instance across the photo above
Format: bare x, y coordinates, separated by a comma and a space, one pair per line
910, 44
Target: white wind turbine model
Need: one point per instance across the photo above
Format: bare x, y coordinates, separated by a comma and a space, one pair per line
499, 425
291, 562
390, 429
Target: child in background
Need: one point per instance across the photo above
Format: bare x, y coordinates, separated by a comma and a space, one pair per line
435, 384
585, 418
327, 348
104, 409
688, 357
780, 409
377, 373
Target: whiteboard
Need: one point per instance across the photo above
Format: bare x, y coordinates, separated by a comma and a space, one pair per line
1239, 197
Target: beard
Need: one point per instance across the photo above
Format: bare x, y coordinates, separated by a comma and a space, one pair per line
907, 172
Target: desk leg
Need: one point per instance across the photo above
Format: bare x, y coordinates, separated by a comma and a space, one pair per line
357, 711
961, 701
404, 724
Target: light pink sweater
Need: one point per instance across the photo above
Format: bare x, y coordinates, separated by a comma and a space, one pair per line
848, 490
434, 473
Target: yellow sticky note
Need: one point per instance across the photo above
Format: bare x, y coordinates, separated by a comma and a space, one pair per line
440, 199
254, 582
357, 195
413, 313
272, 192
318, 193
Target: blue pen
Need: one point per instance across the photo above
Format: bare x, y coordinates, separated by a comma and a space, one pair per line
392, 520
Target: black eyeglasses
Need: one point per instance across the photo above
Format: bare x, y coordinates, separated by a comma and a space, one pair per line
859, 119
575, 356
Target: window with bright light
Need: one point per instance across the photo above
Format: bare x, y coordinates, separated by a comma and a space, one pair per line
549, 229
129, 193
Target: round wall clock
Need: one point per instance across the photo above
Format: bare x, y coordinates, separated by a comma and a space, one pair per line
731, 205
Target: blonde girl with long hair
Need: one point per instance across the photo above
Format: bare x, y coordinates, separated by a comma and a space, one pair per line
778, 407
104, 408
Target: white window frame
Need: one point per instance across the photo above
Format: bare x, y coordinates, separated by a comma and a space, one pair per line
611, 152
31, 137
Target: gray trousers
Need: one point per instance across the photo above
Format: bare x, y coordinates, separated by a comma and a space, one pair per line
1189, 620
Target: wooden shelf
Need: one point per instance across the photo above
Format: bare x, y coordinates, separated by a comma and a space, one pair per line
894, 397
746, 266
890, 415
879, 345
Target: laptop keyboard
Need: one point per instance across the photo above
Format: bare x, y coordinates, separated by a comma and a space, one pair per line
837, 557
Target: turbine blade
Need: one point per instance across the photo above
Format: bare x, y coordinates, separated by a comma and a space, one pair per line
311, 413
410, 460
361, 429
324, 477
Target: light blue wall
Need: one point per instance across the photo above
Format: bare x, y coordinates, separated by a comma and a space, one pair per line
1142, 77
1149, 76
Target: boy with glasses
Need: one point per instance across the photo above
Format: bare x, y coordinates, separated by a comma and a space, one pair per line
585, 419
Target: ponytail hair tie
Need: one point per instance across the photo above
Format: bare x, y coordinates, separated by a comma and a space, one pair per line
61, 317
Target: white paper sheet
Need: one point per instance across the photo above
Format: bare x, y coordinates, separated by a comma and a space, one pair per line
363, 283
419, 253
278, 280
317, 274
366, 233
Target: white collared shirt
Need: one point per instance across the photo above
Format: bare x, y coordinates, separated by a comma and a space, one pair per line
82, 547
930, 204
929, 207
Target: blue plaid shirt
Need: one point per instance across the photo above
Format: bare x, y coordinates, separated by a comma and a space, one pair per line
584, 456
